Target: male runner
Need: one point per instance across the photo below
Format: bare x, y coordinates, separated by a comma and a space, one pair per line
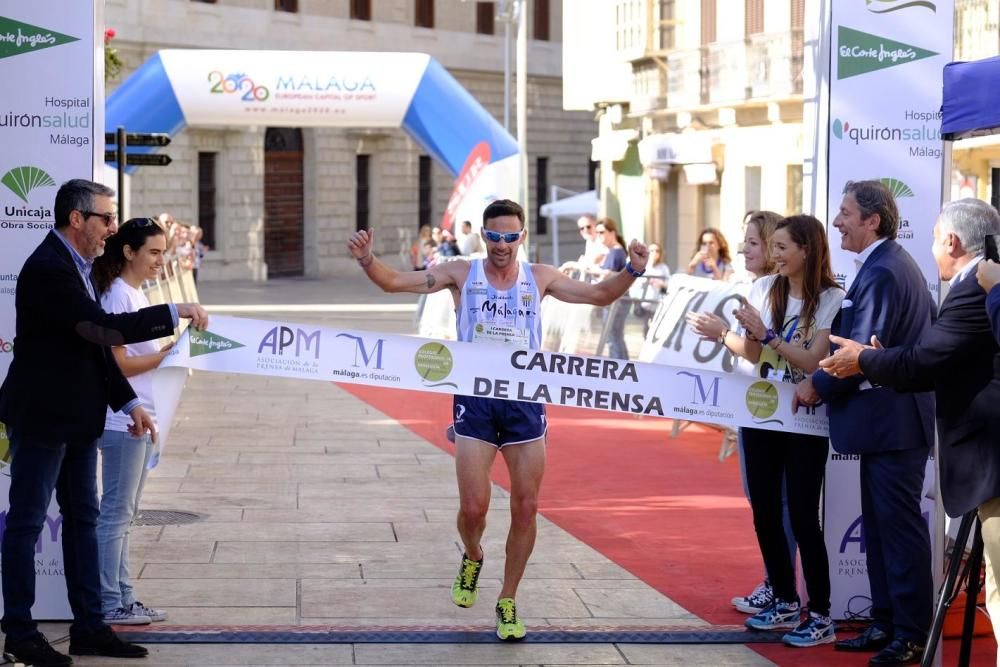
497, 300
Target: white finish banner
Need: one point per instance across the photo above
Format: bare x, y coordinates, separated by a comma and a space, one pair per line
51, 130
309, 352
335, 89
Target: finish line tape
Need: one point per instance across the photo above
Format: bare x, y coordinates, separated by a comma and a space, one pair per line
308, 352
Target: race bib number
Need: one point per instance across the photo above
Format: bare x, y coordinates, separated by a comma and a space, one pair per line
497, 333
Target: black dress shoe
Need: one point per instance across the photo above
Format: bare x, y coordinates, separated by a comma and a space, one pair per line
871, 640
36, 651
899, 652
105, 642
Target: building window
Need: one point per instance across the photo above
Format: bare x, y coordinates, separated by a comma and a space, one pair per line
541, 19
424, 14
361, 10
541, 193
753, 17
751, 180
424, 189
206, 197
593, 167
291, 6
207, 2
485, 17
793, 201
362, 165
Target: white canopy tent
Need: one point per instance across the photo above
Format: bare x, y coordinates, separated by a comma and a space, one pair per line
572, 206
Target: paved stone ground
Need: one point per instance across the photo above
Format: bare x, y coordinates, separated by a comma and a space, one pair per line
319, 510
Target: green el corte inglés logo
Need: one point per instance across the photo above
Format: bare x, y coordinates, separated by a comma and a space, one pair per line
22, 180
860, 52
17, 38
206, 342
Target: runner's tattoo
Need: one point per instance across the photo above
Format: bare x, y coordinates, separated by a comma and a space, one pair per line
430, 281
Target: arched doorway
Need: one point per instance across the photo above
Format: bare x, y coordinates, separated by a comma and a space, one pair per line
283, 202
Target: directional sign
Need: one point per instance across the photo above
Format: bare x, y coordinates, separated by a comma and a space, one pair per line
139, 139
140, 159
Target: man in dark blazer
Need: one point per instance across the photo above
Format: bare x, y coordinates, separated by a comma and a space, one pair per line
892, 432
955, 359
53, 403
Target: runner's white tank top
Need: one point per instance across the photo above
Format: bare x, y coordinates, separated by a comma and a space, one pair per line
486, 314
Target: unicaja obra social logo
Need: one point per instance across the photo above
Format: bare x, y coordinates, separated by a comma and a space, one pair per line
898, 188
22, 180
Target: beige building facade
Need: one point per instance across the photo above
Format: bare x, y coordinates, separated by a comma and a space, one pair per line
282, 201
711, 124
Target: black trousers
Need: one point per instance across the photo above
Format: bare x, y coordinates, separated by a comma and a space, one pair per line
799, 460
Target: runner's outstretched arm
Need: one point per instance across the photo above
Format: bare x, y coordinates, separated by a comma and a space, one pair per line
602, 293
389, 279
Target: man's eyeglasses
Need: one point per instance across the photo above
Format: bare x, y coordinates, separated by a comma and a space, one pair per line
585, 228
108, 218
509, 237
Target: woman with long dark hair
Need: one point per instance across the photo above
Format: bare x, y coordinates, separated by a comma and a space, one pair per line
787, 320
132, 256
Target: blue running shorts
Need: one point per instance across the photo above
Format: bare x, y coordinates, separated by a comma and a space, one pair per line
498, 422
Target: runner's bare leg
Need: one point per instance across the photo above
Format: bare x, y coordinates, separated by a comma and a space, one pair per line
473, 460
526, 464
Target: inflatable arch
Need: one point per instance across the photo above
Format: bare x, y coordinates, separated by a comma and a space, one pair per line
175, 89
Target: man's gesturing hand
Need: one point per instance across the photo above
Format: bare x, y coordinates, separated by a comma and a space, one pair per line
638, 255
360, 243
193, 312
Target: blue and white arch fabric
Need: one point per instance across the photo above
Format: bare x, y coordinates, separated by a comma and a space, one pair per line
175, 89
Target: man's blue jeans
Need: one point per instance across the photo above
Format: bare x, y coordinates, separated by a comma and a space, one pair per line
37, 467
123, 474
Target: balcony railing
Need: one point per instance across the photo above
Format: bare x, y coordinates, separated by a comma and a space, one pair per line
760, 67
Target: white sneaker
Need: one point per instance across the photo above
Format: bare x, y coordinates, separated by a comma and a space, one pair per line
153, 614
759, 599
123, 616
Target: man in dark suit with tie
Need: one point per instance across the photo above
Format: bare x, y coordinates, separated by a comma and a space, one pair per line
892, 432
53, 403
955, 359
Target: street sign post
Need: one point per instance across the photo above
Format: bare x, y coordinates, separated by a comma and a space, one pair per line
121, 140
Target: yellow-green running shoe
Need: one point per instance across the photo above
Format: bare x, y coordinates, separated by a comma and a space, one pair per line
463, 591
509, 626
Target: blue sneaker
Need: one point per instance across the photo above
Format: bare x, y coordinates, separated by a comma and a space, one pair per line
813, 631
779, 615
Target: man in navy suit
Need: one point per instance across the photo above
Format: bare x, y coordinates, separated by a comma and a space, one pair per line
955, 359
891, 432
53, 402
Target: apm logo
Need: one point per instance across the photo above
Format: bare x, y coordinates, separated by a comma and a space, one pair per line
279, 339
360, 349
855, 534
700, 395
17, 38
22, 180
886, 6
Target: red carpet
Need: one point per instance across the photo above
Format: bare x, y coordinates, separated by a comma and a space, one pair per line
665, 509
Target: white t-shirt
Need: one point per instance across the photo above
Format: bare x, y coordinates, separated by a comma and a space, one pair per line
123, 298
794, 331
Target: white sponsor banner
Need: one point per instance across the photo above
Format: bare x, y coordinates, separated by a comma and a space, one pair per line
670, 340
884, 116
304, 351
51, 131
884, 123
333, 89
